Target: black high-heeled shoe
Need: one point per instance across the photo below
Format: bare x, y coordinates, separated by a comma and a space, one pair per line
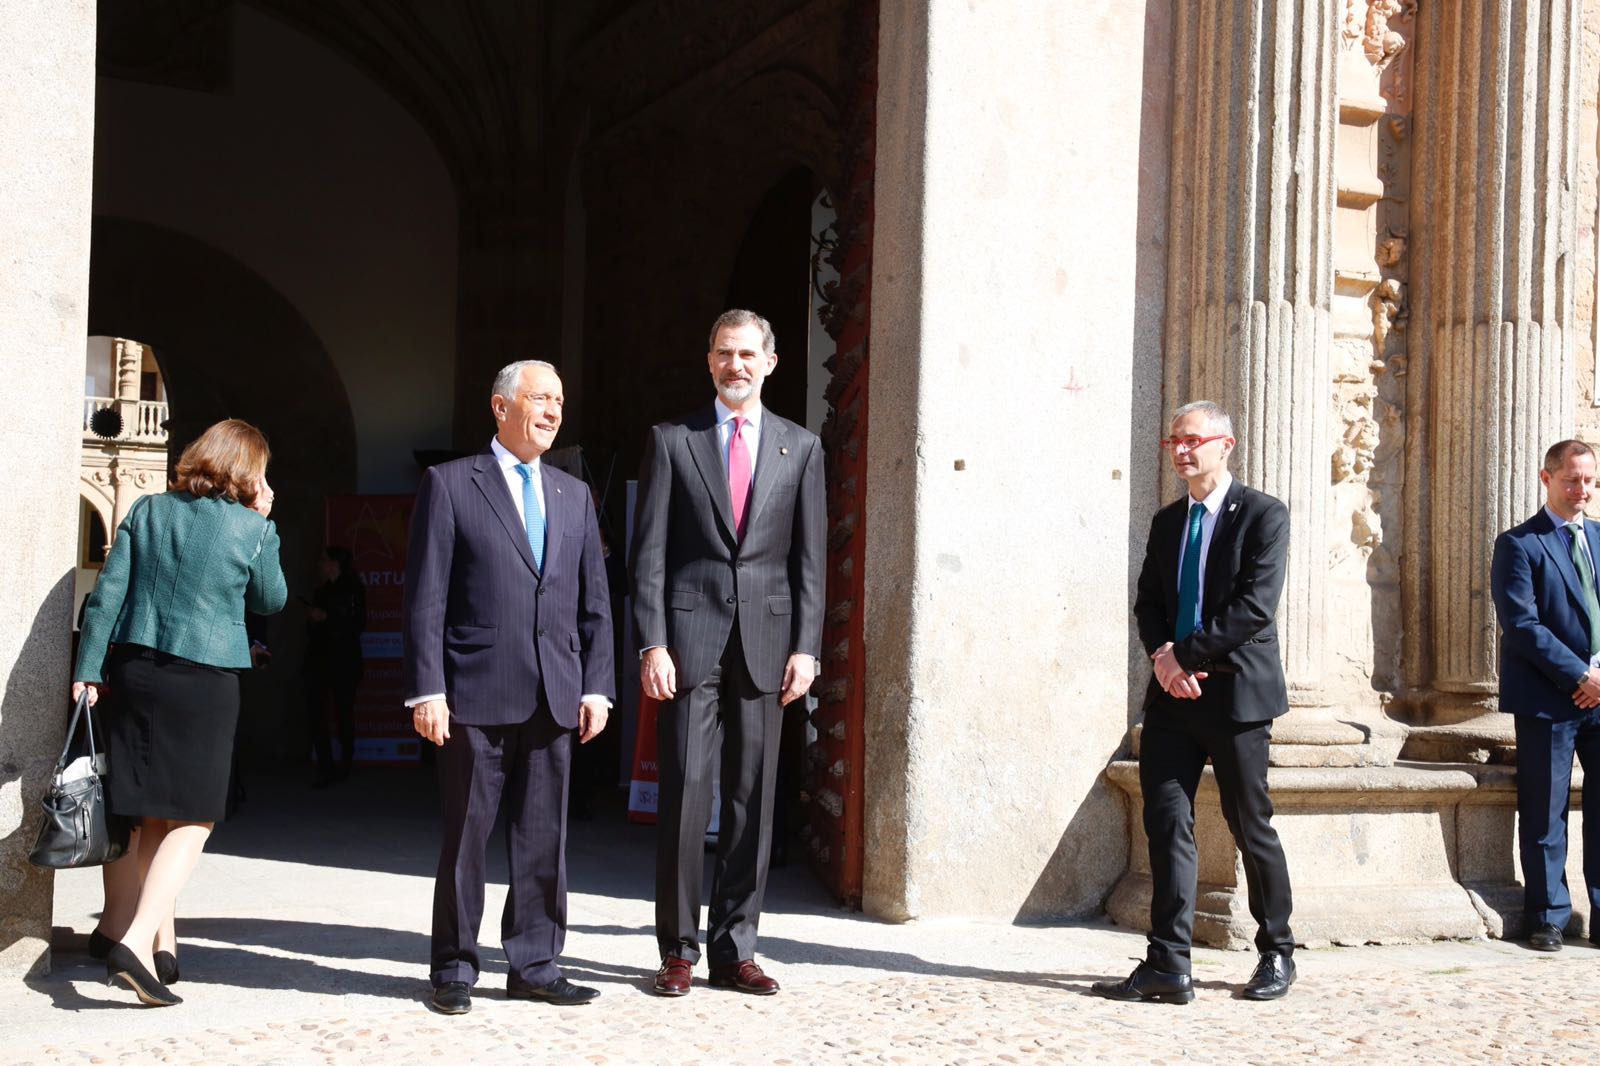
124, 964
99, 944
166, 967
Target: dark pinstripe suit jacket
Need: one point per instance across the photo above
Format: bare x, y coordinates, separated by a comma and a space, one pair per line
692, 576
481, 624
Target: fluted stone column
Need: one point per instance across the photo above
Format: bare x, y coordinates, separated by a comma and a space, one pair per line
1497, 158
1251, 281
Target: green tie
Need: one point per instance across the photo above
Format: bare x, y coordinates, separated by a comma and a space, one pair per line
1580, 560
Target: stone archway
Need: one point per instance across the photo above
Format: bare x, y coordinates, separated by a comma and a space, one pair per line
230, 345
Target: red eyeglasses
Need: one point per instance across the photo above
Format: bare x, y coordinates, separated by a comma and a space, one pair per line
1189, 444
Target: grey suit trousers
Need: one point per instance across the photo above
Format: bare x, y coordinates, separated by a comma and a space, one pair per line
724, 717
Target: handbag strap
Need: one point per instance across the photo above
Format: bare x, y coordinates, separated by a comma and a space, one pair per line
80, 710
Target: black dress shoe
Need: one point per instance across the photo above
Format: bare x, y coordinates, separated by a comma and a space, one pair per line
561, 992
123, 965
166, 967
99, 944
1274, 974
452, 997
1546, 937
1149, 985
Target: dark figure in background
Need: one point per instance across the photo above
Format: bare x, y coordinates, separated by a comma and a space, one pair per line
335, 618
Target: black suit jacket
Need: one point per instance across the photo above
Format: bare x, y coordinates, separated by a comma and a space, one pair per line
1237, 642
482, 625
692, 575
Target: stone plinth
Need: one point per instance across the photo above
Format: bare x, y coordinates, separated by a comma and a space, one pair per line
1370, 849
1414, 851
1487, 860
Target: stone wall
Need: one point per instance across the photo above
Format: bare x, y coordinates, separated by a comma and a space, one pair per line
46, 141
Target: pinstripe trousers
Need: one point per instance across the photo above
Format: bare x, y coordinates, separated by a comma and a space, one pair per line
725, 717
526, 765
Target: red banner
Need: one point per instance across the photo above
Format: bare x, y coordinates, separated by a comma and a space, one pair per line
642, 790
375, 529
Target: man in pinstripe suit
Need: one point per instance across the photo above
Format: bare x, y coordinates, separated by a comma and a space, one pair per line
507, 655
728, 557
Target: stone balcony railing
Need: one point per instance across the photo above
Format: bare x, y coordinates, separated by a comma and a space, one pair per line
143, 421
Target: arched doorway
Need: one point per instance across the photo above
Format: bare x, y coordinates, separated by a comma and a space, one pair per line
231, 346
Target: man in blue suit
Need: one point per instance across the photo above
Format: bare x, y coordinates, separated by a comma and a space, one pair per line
1543, 580
507, 655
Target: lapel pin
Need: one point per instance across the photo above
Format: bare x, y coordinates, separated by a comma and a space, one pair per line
1232, 507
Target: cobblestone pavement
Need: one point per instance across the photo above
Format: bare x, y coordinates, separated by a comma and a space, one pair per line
308, 946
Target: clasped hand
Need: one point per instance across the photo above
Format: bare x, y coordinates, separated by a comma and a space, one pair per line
1177, 682
1588, 691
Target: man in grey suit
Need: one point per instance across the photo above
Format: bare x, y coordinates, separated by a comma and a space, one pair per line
728, 554
507, 655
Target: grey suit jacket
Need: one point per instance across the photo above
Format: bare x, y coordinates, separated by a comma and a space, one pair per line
482, 624
693, 577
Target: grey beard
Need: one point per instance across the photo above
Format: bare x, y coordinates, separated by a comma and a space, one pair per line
736, 392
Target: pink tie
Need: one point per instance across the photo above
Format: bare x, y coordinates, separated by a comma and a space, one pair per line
738, 474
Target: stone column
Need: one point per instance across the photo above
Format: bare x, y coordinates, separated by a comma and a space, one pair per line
1012, 341
1497, 127
129, 357
1249, 321
46, 149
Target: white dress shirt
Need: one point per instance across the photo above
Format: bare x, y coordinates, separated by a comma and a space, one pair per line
508, 468
750, 433
1208, 525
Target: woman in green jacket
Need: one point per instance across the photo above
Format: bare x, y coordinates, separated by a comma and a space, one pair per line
170, 606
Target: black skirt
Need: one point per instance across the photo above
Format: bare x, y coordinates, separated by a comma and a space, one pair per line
169, 740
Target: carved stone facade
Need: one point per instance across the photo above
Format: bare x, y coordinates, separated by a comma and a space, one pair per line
125, 456
1367, 226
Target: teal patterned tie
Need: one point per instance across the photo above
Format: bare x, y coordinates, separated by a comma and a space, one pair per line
532, 516
1189, 578
1580, 560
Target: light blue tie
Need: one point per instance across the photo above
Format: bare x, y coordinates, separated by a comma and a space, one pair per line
1189, 577
532, 516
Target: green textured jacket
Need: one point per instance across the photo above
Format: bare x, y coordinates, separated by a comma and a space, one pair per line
181, 573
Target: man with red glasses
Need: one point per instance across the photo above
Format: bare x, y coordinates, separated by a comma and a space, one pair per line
1206, 603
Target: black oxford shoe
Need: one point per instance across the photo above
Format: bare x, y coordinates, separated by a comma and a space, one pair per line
1274, 974
1546, 937
1148, 985
452, 997
561, 992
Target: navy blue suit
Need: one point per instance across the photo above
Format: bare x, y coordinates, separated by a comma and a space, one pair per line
1544, 654
514, 649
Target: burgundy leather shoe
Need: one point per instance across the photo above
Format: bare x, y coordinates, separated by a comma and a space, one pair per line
746, 976
674, 976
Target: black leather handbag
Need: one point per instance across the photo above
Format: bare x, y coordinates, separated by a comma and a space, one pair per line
78, 830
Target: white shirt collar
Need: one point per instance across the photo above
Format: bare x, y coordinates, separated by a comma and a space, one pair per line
724, 413
503, 455
1213, 502
1562, 523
